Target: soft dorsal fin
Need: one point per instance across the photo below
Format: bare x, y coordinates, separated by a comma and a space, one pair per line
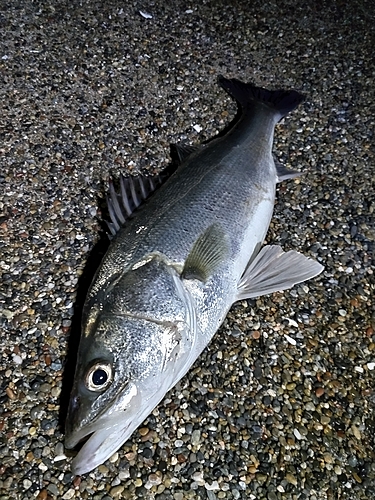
273, 270
284, 173
183, 151
209, 250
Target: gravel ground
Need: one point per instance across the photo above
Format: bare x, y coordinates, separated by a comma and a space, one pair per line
281, 404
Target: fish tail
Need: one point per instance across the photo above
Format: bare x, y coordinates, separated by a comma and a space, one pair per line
246, 94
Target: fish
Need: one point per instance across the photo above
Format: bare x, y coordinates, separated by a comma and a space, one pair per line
184, 249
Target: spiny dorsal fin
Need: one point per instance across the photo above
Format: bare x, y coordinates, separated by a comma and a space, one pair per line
210, 249
133, 191
284, 173
273, 270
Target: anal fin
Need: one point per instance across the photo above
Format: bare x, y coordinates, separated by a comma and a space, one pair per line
273, 270
284, 173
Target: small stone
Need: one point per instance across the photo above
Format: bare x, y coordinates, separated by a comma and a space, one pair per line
357, 478
297, 434
154, 479
103, 469
69, 494
195, 437
291, 479
116, 491
113, 458
327, 457
356, 432
27, 484
10, 393
52, 488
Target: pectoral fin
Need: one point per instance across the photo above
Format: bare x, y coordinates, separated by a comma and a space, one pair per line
209, 250
273, 270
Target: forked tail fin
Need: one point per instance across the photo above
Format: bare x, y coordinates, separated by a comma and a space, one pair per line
246, 94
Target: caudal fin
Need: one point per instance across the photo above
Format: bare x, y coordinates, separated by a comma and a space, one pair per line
246, 94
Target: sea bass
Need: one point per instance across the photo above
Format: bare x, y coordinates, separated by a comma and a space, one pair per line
174, 269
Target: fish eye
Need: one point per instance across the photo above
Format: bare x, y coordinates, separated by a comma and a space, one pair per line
99, 377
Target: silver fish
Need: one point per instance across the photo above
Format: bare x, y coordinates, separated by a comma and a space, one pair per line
174, 269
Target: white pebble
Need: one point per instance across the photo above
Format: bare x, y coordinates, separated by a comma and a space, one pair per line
146, 15
292, 322
297, 433
290, 340
17, 359
69, 494
212, 487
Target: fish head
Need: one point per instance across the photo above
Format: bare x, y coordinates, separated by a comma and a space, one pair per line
131, 353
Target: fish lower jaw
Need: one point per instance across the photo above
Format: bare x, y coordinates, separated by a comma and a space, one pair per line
73, 441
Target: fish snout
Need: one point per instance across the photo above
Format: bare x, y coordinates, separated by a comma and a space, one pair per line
71, 421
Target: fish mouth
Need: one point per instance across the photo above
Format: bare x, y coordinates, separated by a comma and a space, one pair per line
107, 434
100, 445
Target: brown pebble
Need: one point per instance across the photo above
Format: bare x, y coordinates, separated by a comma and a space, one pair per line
149, 436
42, 495
47, 359
10, 393
319, 392
181, 458
357, 478
370, 331
143, 431
256, 335
76, 481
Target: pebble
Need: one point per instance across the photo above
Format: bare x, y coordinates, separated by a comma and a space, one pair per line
69, 494
281, 403
117, 491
